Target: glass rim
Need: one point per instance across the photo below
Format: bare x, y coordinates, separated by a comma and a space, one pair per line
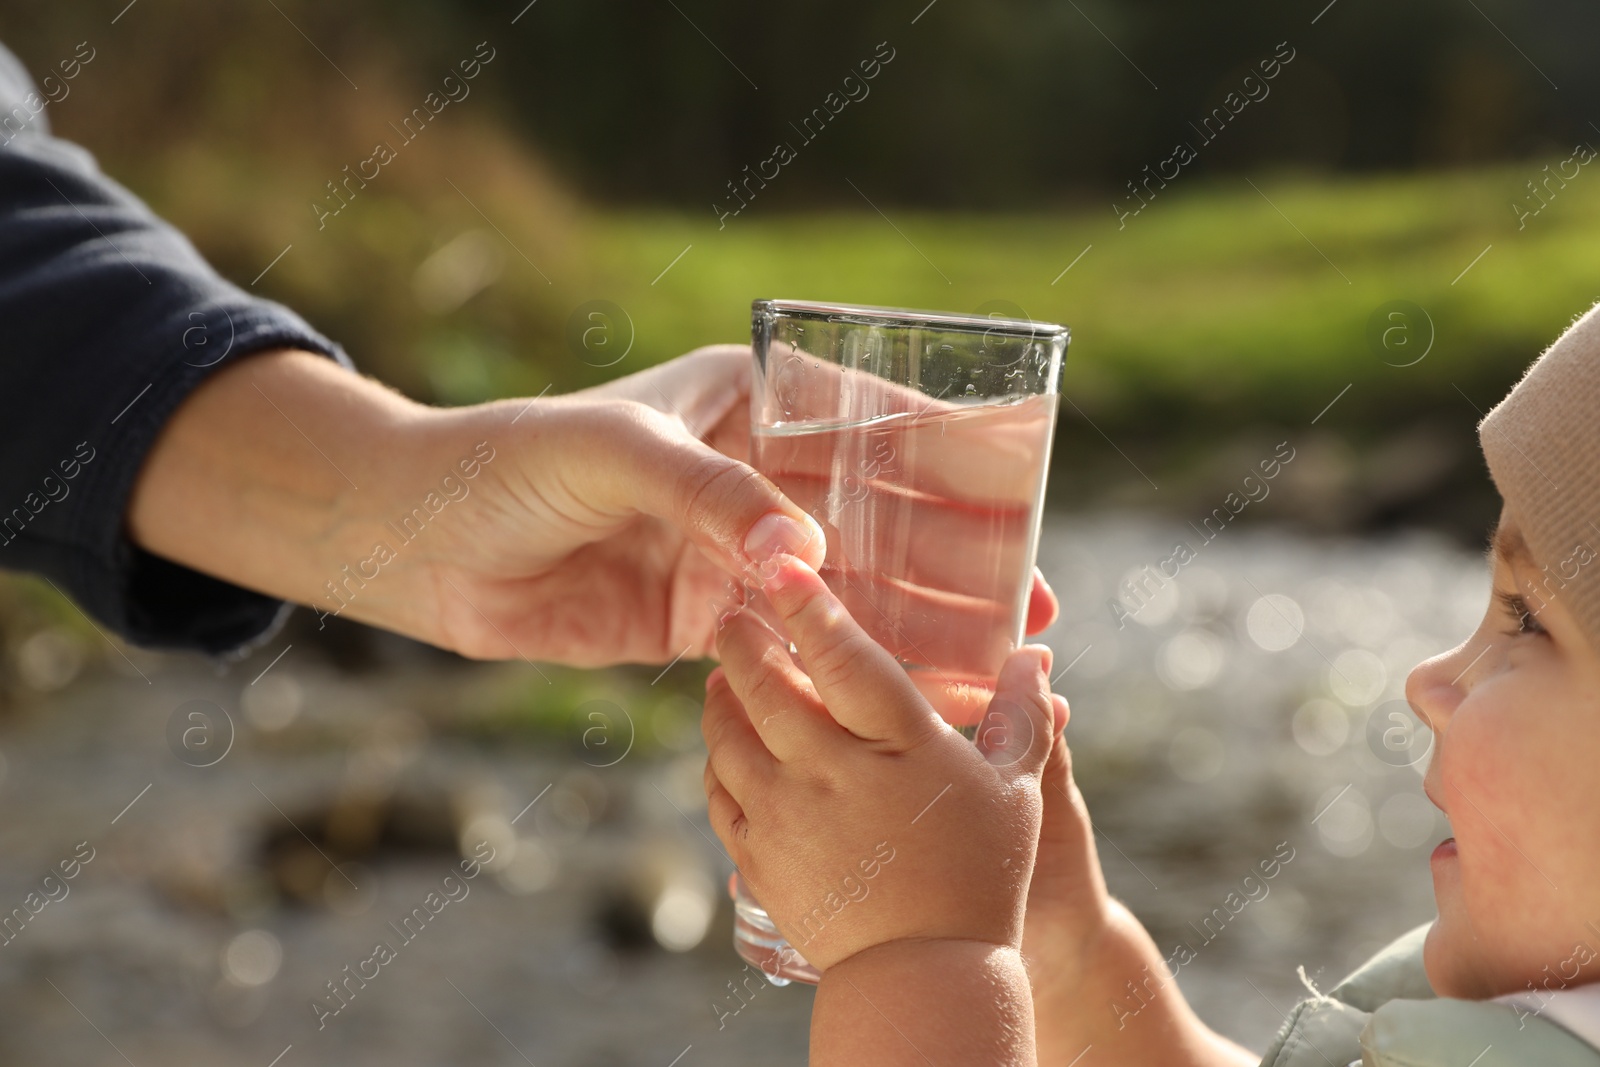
864, 315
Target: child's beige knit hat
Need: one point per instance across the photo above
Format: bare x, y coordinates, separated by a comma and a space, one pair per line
1543, 446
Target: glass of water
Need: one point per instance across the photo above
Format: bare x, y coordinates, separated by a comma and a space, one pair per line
919, 441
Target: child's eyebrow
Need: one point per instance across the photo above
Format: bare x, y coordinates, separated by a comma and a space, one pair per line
1507, 544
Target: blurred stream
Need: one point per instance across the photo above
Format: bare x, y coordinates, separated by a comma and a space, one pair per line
1247, 711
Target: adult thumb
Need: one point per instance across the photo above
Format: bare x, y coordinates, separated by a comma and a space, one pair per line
726, 507
1017, 730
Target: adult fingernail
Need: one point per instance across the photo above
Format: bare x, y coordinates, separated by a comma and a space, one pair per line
777, 534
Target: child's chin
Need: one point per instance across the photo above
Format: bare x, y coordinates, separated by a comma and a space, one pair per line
1445, 960
1435, 960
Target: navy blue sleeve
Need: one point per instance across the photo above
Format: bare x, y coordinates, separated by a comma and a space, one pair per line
109, 318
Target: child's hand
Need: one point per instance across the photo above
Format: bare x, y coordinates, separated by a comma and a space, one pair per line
1085, 950
1068, 905
856, 815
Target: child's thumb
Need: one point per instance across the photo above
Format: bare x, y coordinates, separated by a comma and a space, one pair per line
1061, 833
1017, 729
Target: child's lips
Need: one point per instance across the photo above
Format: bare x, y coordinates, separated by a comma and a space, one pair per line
1445, 850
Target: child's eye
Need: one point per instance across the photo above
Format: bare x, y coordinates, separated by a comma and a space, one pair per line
1517, 608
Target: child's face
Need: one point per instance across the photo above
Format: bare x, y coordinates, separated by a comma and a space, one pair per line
1515, 711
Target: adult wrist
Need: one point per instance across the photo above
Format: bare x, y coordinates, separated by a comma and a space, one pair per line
388, 543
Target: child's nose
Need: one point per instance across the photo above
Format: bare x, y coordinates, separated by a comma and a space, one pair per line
1435, 686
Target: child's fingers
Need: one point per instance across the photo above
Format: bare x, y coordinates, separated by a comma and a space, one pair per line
779, 701
1056, 778
734, 751
726, 817
1056, 782
1017, 730
1066, 871
1043, 607
864, 688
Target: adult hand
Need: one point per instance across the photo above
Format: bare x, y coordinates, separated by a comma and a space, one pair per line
619, 522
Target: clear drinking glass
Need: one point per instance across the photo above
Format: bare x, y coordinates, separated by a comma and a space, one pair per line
919, 441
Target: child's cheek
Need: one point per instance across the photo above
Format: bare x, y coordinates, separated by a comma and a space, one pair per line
1477, 783
1497, 790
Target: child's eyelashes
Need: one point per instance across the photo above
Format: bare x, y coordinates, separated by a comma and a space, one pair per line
1527, 621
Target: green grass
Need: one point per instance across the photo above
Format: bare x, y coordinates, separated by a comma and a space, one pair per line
1211, 298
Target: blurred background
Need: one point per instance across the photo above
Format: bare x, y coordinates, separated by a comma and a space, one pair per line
1354, 259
